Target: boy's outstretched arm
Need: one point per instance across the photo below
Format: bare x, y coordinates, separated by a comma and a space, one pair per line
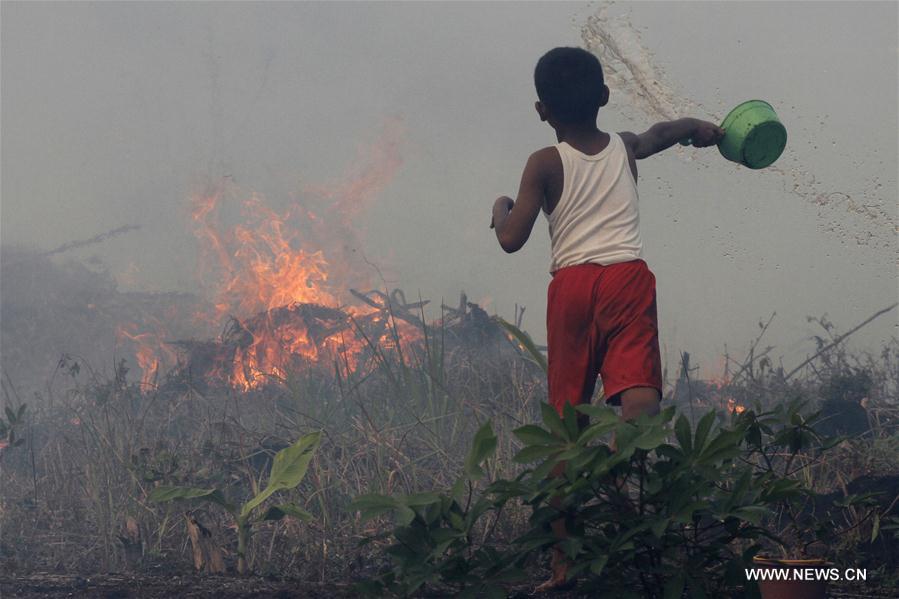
514, 219
662, 136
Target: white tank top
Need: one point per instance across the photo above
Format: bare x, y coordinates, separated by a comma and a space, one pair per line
596, 219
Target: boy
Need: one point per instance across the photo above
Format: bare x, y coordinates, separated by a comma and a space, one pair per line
601, 308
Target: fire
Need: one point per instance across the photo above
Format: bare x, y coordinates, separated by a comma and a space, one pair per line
150, 351
262, 262
278, 277
273, 269
734, 407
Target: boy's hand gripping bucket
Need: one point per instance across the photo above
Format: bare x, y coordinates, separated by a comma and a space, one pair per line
753, 135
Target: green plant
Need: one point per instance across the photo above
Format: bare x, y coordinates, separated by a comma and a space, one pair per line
435, 534
672, 509
784, 446
650, 518
288, 469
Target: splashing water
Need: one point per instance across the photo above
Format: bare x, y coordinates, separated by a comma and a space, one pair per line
629, 67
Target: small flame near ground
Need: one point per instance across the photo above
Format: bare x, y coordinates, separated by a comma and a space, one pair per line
718, 387
150, 350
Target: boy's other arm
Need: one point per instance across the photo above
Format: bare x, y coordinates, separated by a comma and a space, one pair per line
514, 219
662, 136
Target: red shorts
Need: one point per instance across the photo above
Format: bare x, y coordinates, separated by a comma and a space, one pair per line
601, 320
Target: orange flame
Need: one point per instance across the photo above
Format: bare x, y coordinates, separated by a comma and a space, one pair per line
262, 270
733, 406
150, 351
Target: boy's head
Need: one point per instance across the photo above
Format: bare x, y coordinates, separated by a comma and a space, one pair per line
570, 86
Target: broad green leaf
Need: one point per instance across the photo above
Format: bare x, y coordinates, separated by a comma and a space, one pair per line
532, 434
535, 539
682, 432
458, 488
288, 469
739, 489
702, 430
651, 438
276, 512
456, 521
533, 453
781, 489
441, 535
404, 515
573, 452
170, 493
595, 430
373, 505
597, 565
599, 414
569, 419
543, 470
552, 421
724, 446
482, 447
588, 457
431, 513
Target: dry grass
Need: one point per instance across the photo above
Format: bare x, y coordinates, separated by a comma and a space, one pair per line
74, 496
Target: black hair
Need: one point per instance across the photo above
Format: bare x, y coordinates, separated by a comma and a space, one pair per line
570, 84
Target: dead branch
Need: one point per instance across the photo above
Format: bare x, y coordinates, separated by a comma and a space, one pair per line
839, 339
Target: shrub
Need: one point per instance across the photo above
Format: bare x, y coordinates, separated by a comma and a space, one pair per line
672, 509
288, 470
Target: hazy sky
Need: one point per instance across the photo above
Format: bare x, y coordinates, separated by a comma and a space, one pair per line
112, 111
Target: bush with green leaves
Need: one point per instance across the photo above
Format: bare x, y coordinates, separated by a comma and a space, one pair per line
671, 510
649, 518
288, 469
436, 540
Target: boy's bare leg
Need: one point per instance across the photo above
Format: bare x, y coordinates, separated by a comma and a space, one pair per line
559, 563
635, 402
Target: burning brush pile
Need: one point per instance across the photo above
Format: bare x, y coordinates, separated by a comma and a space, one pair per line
267, 347
277, 293
284, 286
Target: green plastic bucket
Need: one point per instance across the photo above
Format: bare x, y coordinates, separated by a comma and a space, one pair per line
753, 135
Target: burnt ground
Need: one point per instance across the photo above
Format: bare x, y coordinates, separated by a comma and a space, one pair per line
124, 586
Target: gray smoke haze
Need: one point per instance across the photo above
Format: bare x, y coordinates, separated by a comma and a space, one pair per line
112, 113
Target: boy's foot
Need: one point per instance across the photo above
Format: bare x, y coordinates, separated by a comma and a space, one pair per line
558, 580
